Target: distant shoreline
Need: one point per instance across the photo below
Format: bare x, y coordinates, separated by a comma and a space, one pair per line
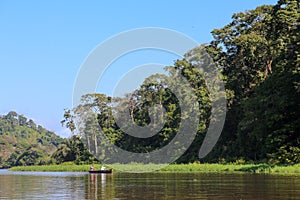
176, 168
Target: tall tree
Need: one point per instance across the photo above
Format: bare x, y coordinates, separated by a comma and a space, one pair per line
258, 53
68, 121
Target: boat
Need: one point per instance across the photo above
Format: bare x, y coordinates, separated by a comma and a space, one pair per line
104, 171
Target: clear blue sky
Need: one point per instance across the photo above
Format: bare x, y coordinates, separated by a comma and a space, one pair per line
43, 43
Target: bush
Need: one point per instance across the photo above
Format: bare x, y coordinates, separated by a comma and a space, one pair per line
286, 155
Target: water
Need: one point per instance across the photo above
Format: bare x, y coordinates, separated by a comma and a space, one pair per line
62, 185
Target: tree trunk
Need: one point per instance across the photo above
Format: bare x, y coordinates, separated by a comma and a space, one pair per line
268, 69
96, 144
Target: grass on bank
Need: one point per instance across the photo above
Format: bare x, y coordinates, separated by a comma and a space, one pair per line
177, 168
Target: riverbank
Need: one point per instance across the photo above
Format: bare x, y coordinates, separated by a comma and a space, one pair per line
178, 168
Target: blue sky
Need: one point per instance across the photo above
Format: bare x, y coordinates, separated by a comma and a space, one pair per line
44, 43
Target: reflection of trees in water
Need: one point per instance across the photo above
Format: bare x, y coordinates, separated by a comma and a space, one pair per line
74, 185
42, 185
100, 186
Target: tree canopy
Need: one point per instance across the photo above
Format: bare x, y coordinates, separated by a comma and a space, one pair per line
257, 55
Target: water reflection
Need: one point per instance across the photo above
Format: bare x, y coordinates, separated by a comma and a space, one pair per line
28, 185
31, 185
100, 186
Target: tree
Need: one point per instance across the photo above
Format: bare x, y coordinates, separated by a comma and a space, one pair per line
72, 150
28, 157
22, 120
31, 124
271, 121
260, 63
68, 121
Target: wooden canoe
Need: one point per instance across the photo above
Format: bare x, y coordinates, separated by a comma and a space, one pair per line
106, 171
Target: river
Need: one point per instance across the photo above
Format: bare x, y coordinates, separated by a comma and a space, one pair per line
71, 185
